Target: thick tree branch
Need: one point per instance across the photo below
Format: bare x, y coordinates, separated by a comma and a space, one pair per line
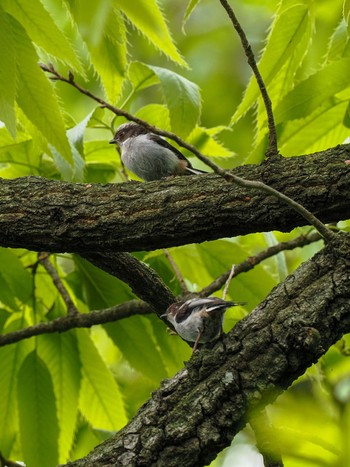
228, 176
54, 216
194, 416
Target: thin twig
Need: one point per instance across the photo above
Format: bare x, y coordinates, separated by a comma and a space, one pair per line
228, 176
81, 320
44, 260
138, 307
228, 281
273, 149
177, 272
252, 261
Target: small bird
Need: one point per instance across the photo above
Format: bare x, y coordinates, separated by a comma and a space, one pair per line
199, 320
148, 155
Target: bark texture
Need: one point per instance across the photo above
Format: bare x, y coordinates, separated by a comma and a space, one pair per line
54, 216
194, 416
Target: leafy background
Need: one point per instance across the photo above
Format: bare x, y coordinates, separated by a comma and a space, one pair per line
68, 392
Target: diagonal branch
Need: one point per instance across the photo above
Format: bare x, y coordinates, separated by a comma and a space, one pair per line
228, 176
44, 260
273, 149
253, 261
194, 416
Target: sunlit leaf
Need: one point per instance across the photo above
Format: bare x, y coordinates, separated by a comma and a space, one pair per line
100, 397
286, 33
8, 73
37, 413
35, 95
41, 28
312, 92
183, 100
60, 353
148, 18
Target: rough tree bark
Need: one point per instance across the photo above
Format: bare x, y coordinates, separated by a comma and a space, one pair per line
194, 415
42, 214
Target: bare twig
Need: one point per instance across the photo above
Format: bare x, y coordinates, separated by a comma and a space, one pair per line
138, 307
252, 261
177, 272
44, 260
273, 149
228, 176
228, 281
81, 320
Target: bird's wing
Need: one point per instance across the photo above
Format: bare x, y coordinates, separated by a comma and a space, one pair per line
163, 142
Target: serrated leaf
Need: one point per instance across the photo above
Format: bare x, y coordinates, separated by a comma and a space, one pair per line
182, 98
100, 397
312, 92
61, 355
35, 95
40, 26
10, 360
320, 130
148, 19
190, 7
37, 413
17, 277
155, 114
141, 76
204, 140
286, 33
7, 73
109, 57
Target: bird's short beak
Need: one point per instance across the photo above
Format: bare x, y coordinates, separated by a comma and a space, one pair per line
112, 141
164, 315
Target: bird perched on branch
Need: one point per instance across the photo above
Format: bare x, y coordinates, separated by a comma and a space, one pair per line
199, 320
148, 155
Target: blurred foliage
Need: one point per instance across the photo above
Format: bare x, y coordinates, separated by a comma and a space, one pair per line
178, 65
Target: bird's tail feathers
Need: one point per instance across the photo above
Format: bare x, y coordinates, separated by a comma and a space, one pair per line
193, 171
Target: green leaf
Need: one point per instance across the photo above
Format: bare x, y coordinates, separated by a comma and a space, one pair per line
182, 98
61, 355
100, 398
155, 114
312, 92
10, 360
108, 55
41, 28
320, 130
35, 95
134, 337
37, 413
7, 74
148, 19
141, 76
16, 275
190, 7
287, 31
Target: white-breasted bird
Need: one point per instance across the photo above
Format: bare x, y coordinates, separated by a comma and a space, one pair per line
148, 155
199, 320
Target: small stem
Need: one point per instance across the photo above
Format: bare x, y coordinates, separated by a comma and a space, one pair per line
252, 261
44, 260
176, 272
273, 149
227, 284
